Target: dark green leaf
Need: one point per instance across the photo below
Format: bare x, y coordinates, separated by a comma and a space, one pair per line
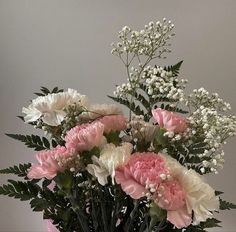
20, 170
224, 205
210, 222
174, 68
131, 105
32, 141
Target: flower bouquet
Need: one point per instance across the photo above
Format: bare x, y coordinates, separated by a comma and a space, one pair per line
99, 171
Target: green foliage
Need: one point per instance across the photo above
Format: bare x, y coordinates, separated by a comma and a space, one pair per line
173, 109
210, 223
217, 193
113, 137
20, 190
32, 141
160, 140
64, 181
174, 68
224, 205
20, 170
156, 214
45, 91
139, 97
131, 105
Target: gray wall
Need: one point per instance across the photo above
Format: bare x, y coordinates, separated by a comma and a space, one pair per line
67, 44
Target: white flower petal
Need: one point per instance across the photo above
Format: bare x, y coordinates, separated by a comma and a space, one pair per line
110, 158
52, 106
54, 118
32, 114
200, 196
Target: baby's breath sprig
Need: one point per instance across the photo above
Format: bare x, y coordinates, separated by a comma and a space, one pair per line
140, 47
210, 126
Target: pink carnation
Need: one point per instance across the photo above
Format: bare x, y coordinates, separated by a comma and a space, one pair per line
48, 165
113, 123
170, 120
172, 198
50, 226
141, 170
85, 137
172, 195
144, 169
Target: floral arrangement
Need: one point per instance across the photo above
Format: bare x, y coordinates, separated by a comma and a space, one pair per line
103, 172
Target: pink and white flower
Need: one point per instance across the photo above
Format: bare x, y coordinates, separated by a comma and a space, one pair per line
110, 158
149, 169
141, 170
200, 197
85, 137
169, 120
48, 166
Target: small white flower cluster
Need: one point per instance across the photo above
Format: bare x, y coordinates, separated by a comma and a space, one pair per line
160, 82
215, 128
72, 117
133, 83
201, 97
146, 41
215, 163
175, 137
140, 129
153, 189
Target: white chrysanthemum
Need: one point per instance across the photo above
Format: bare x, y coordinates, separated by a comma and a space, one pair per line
98, 110
200, 196
51, 107
110, 158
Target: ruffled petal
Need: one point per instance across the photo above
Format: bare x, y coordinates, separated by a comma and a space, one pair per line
179, 218
130, 186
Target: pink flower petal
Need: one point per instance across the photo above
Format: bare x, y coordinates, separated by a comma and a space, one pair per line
50, 226
113, 123
84, 137
129, 185
180, 218
169, 120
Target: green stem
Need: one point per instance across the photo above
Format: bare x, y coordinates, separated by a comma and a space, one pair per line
80, 214
132, 216
103, 210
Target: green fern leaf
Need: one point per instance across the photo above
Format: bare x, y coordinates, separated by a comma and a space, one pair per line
20, 170
20, 190
224, 205
174, 68
173, 109
132, 106
32, 141
45, 91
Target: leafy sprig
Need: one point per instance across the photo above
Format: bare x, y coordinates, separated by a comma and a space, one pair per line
21, 170
45, 91
33, 141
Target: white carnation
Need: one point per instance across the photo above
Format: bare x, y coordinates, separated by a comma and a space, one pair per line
200, 196
51, 107
110, 158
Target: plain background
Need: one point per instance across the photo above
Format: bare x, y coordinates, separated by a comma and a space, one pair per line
67, 44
